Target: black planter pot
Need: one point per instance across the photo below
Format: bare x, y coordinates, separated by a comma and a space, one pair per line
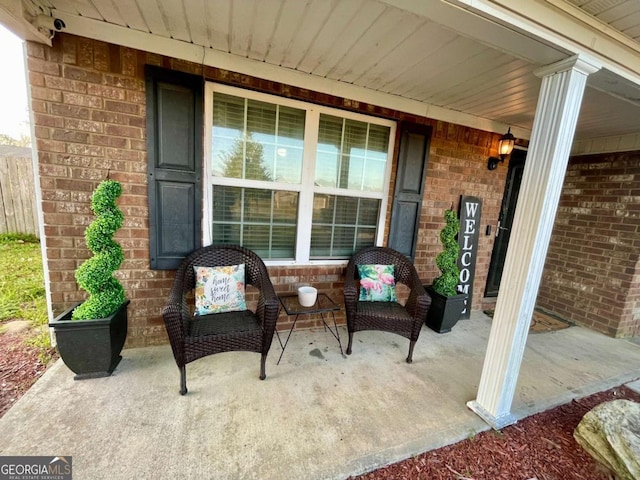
91, 348
444, 311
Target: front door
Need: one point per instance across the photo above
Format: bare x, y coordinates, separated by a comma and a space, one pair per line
505, 220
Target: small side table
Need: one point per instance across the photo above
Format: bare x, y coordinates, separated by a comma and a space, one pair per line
323, 305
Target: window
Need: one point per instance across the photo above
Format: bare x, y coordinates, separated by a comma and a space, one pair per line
294, 182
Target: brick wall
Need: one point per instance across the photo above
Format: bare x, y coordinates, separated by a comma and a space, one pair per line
592, 273
89, 116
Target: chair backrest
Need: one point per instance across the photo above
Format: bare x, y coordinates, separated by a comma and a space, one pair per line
220, 256
403, 268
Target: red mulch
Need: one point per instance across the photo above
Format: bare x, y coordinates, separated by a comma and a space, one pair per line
19, 368
539, 447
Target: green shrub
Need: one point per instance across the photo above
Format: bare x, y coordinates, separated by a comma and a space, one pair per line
95, 275
18, 237
447, 260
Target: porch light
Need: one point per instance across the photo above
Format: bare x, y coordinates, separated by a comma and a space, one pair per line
505, 146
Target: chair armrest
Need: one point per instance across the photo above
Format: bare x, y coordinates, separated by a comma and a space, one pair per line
268, 303
350, 289
419, 300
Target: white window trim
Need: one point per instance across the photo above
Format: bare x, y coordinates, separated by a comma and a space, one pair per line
312, 120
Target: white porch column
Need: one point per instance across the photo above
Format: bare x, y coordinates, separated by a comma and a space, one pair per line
554, 126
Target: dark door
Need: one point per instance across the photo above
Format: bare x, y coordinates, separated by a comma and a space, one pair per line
505, 220
407, 198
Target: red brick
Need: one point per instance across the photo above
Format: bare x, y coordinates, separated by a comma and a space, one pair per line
122, 131
82, 74
121, 107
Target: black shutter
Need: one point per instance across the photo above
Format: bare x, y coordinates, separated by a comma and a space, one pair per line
410, 180
174, 159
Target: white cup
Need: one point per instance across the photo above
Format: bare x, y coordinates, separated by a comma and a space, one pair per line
307, 296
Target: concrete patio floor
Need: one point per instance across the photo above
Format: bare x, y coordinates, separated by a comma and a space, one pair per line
318, 415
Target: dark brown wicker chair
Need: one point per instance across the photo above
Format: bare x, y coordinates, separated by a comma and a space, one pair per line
195, 337
391, 317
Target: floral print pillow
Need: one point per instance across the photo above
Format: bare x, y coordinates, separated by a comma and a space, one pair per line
377, 283
219, 289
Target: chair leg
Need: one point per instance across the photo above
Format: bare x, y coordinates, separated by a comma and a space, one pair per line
263, 361
350, 342
183, 380
412, 344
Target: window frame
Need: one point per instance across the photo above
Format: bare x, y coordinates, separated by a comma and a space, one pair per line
305, 195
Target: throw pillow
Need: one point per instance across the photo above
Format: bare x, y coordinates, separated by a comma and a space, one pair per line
377, 283
219, 289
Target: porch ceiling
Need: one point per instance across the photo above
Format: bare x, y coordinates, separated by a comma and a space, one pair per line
449, 54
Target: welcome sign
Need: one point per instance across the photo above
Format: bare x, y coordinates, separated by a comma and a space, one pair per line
470, 211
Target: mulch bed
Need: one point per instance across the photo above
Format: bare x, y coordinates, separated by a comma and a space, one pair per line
539, 447
19, 368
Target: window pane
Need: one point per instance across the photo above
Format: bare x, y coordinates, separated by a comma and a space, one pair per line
344, 225
226, 234
368, 212
351, 154
283, 242
346, 210
286, 207
257, 205
227, 203
250, 217
343, 242
257, 140
320, 241
366, 238
328, 151
256, 238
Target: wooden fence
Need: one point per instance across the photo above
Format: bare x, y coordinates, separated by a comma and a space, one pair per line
18, 212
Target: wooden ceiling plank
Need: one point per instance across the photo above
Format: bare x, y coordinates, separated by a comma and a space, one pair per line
502, 94
85, 8
153, 17
287, 26
242, 16
196, 13
345, 39
173, 14
110, 13
492, 78
218, 16
438, 62
131, 15
454, 78
414, 48
617, 10
265, 20
381, 37
311, 23
330, 32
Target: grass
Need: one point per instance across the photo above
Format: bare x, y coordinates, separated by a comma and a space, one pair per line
22, 294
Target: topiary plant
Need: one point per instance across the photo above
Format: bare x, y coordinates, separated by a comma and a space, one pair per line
447, 260
95, 275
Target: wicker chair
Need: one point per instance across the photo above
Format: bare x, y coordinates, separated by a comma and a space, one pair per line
193, 337
391, 317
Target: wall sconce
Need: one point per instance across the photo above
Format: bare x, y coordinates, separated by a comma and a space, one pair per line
505, 146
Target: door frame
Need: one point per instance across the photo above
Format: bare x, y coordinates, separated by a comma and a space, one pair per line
505, 221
